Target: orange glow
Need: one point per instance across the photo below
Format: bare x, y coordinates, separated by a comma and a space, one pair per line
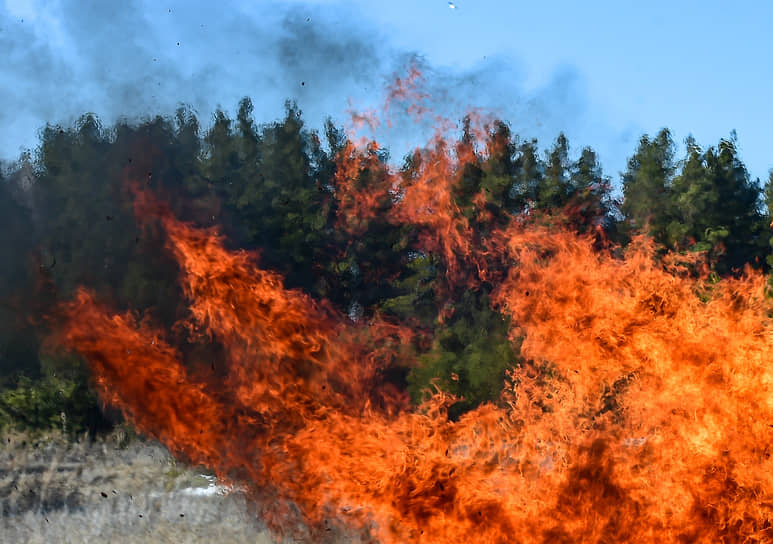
644, 412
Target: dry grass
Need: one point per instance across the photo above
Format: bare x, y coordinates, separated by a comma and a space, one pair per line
112, 491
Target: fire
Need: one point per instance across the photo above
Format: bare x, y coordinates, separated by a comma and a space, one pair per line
643, 412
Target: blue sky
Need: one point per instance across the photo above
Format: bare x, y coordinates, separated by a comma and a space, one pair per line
603, 72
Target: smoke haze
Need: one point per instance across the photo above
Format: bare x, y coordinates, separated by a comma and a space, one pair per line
137, 59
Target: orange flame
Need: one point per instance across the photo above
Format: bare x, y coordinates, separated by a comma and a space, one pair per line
643, 412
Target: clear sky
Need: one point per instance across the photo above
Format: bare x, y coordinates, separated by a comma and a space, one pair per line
603, 72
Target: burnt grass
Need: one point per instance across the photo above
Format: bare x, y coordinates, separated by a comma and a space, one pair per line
117, 489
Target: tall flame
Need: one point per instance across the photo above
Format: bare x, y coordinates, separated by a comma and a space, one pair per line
643, 412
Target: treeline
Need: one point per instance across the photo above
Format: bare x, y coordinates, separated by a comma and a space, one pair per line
67, 220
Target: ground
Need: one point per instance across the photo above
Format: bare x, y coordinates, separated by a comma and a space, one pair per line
115, 491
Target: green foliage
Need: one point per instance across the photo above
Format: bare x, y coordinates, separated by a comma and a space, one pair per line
417, 291
591, 203
646, 185
90, 230
18, 274
499, 169
716, 207
706, 203
269, 188
62, 365
64, 404
469, 357
768, 215
576, 189
527, 176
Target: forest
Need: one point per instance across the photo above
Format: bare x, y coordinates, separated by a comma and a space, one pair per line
279, 191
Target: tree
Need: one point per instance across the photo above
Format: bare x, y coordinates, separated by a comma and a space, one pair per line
469, 357
646, 205
528, 171
768, 217
575, 190
717, 207
591, 204
270, 190
554, 189
18, 340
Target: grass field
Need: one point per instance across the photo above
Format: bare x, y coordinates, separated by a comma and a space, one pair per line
111, 491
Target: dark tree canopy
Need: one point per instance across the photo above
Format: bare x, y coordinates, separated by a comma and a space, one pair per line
68, 221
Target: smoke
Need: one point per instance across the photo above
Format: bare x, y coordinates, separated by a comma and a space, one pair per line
139, 58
